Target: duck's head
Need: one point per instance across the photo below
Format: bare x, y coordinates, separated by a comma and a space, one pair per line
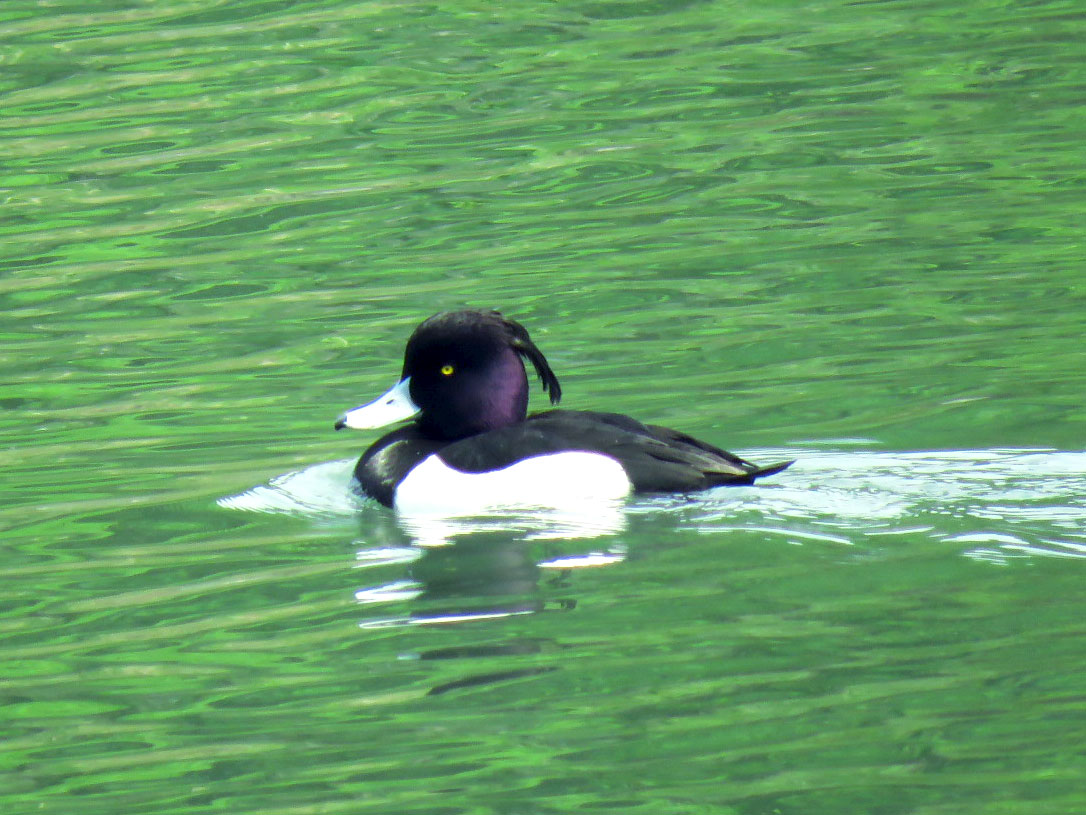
463, 374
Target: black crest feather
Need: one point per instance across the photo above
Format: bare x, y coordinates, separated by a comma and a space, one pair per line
524, 346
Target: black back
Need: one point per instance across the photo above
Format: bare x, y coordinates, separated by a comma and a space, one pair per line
656, 459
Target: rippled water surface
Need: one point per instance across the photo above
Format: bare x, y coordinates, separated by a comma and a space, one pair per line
849, 233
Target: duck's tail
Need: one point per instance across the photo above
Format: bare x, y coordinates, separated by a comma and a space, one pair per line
752, 472
772, 469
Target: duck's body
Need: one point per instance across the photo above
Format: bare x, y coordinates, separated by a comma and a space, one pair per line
472, 441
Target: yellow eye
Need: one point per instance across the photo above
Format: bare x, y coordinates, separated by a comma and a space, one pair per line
447, 370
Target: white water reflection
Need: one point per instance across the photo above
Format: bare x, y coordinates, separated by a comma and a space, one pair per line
320, 490
1011, 502
1015, 502
579, 520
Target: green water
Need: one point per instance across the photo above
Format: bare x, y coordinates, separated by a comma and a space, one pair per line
846, 232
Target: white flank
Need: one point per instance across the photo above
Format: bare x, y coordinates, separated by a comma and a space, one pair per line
553, 480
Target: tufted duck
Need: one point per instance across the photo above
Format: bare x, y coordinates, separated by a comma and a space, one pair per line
472, 445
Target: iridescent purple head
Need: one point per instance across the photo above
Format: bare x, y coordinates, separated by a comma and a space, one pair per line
463, 374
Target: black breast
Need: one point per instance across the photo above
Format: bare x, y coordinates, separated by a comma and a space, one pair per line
390, 458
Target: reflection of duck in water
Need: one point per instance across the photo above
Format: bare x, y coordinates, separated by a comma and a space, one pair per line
472, 445
482, 576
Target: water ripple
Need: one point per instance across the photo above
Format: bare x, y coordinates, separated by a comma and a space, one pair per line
829, 496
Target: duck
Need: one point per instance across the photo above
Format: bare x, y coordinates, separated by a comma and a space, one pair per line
469, 444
